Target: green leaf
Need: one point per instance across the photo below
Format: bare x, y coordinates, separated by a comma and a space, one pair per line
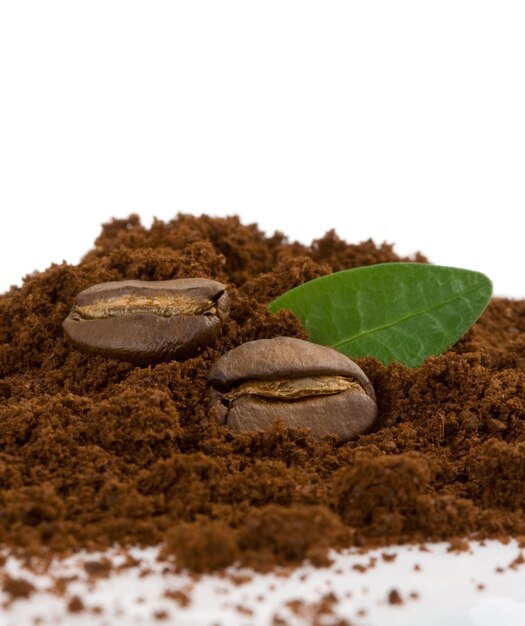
391, 311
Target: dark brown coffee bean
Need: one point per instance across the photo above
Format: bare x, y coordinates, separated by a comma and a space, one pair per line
148, 321
302, 383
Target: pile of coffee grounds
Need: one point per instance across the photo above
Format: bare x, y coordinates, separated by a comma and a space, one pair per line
96, 452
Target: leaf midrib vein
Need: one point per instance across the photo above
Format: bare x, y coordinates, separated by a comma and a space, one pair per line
403, 319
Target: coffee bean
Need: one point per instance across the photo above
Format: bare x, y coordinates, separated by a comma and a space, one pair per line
148, 321
302, 383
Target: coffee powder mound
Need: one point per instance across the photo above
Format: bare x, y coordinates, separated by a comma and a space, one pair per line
96, 452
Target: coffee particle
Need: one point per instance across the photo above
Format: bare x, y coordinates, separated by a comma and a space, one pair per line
161, 614
178, 596
244, 610
394, 597
98, 569
517, 562
75, 605
457, 544
61, 584
239, 580
297, 607
358, 567
17, 588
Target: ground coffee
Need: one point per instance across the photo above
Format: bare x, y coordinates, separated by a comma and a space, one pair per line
96, 451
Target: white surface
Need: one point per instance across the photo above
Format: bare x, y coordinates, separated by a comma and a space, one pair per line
400, 121
447, 588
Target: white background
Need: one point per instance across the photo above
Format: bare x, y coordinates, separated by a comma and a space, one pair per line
401, 121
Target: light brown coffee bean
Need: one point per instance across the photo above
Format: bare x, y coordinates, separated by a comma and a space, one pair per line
148, 321
302, 383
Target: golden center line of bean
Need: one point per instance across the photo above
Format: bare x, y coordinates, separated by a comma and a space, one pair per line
293, 389
163, 306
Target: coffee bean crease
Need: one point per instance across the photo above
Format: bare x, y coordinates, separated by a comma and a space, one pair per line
294, 389
164, 306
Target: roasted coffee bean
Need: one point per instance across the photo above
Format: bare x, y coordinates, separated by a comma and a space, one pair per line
148, 321
301, 383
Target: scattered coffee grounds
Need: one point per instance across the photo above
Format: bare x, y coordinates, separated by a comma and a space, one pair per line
394, 597
17, 588
458, 544
98, 569
316, 613
96, 451
75, 605
178, 596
